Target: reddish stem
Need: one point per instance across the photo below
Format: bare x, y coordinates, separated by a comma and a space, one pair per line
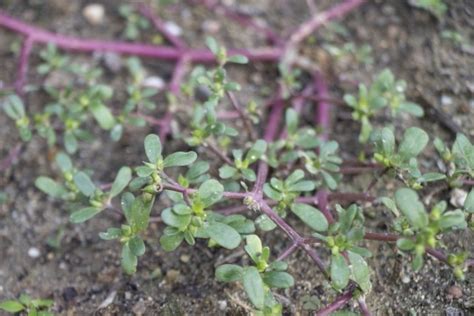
288, 251
23, 65
338, 303
323, 114
147, 12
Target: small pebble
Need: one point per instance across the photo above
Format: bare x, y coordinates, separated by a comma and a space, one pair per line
94, 13
406, 279
173, 28
458, 197
34, 252
154, 82
210, 26
113, 61
184, 258
454, 292
222, 305
446, 100
128, 295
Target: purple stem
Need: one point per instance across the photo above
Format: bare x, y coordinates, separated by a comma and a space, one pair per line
270, 133
23, 65
292, 234
244, 20
323, 114
363, 306
147, 12
319, 20
339, 302
322, 198
288, 251
39, 35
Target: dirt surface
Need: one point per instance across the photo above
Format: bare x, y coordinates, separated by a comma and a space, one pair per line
84, 272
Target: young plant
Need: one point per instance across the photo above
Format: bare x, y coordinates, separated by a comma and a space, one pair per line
25, 304
259, 279
385, 92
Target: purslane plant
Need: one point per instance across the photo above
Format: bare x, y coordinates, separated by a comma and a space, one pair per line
200, 196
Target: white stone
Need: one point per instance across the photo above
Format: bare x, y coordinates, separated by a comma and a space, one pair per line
154, 82
94, 13
173, 28
458, 197
34, 252
222, 305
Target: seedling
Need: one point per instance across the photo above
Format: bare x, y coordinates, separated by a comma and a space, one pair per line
278, 175
32, 307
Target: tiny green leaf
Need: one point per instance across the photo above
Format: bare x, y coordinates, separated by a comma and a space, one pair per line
210, 192
229, 273
84, 183
405, 244
360, 271
129, 260
171, 242
180, 158
103, 116
238, 59
469, 202
121, 181
50, 187
408, 202
413, 142
311, 216
152, 148
224, 235
339, 271
11, 306
278, 279
254, 287
137, 246
84, 214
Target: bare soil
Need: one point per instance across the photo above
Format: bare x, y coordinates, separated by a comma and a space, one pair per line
85, 271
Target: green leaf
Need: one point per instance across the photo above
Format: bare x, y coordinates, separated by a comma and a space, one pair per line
229, 273
64, 162
238, 59
390, 204
469, 202
339, 271
265, 223
278, 279
70, 142
256, 151
417, 262
152, 148
139, 214
13, 107
197, 169
408, 202
360, 271
211, 43
126, 202
121, 181
311, 216
210, 192
50, 187
405, 244
172, 219
137, 246
291, 119
413, 142
254, 287
412, 108
11, 306
84, 183
103, 115
171, 242
226, 172
302, 186
388, 141
294, 177
112, 233
129, 260
144, 171
224, 235
453, 220
271, 193
249, 174
182, 209
84, 214
253, 247
180, 158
